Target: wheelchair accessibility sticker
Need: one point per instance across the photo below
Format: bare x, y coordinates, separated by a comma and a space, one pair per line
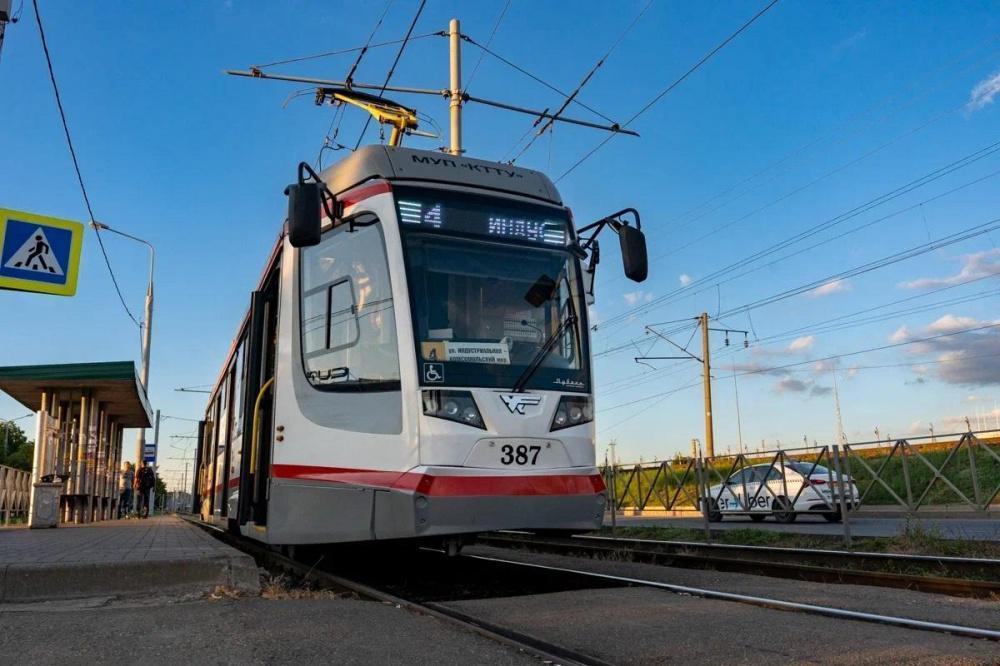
433, 372
40, 254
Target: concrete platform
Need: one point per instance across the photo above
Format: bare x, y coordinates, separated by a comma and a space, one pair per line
158, 556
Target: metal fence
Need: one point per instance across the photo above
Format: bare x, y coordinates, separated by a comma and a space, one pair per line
959, 472
15, 494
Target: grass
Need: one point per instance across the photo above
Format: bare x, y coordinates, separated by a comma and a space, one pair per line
915, 540
633, 488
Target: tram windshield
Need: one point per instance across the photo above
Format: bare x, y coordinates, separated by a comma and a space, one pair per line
491, 282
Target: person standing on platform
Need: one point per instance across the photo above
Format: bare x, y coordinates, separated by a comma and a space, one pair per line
125, 482
145, 480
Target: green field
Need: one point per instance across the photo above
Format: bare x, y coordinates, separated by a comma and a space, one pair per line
674, 484
914, 540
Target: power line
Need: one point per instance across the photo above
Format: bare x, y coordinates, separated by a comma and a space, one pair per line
825, 326
829, 223
670, 87
945, 241
850, 122
76, 163
536, 79
330, 142
392, 70
355, 49
361, 54
767, 370
482, 51
586, 79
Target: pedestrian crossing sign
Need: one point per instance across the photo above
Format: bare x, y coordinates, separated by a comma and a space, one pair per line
38, 253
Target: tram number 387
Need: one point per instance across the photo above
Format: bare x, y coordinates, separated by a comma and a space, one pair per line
520, 454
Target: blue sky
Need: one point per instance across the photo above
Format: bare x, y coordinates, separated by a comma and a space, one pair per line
853, 99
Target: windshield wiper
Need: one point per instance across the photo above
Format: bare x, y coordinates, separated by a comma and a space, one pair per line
540, 355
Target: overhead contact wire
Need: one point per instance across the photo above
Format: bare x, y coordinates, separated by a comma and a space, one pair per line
708, 56
76, 162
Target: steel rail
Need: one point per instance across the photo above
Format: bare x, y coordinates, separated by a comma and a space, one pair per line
264, 556
765, 602
825, 552
699, 555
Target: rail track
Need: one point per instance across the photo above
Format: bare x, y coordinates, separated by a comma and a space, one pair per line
435, 578
951, 575
313, 572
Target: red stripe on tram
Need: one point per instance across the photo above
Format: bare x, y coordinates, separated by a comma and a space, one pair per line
428, 484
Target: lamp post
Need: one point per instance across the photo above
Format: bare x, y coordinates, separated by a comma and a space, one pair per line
147, 327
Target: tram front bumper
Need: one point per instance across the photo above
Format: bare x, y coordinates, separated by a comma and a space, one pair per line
470, 514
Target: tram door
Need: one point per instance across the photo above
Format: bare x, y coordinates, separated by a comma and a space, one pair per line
256, 458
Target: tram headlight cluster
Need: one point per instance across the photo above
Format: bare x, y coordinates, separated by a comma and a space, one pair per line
572, 411
458, 406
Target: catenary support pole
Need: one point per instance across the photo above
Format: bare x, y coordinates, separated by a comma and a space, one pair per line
147, 329
707, 381
455, 107
156, 441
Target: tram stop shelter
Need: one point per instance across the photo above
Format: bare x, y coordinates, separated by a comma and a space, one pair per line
82, 410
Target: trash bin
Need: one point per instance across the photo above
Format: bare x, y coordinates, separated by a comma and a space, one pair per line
45, 504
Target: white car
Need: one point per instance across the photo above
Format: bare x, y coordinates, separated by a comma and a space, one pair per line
762, 490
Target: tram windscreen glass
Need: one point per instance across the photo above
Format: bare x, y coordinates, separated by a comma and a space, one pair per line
484, 304
448, 212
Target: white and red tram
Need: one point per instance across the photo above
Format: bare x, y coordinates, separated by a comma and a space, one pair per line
415, 360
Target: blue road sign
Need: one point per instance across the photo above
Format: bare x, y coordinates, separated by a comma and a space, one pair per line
39, 253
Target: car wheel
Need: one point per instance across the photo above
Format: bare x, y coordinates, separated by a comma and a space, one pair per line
711, 512
832, 516
757, 518
783, 512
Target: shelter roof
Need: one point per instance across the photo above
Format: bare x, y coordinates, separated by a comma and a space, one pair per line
115, 384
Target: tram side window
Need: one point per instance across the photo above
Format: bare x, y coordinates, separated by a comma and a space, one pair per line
348, 328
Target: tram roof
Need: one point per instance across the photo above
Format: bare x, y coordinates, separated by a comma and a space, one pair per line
114, 383
397, 163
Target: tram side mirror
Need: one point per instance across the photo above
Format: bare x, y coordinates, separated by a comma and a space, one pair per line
633, 243
542, 291
304, 219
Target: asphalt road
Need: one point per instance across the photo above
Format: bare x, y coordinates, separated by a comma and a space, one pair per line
981, 529
238, 631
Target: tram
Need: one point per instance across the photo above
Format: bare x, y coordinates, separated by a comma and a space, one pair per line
415, 360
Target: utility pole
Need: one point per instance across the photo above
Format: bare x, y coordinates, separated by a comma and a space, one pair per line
706, 365
932, 433
841, 437
739, 419
455, 106
147, 328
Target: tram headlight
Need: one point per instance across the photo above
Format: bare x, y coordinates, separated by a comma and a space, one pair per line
458, 406
572, 410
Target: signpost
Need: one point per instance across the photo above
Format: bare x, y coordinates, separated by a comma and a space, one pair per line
38, 253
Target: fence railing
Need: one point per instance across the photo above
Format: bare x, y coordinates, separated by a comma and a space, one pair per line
909, 475
15, 494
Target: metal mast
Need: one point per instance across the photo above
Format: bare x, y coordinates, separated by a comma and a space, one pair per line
455, 107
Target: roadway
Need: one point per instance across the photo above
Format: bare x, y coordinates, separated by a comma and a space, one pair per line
980, 529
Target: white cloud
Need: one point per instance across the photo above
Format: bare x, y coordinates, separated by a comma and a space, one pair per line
901, 334
984, 92
637, 297
802, 344
950, 323
977, 265
965, 359
685, 279
852, 372
832, 287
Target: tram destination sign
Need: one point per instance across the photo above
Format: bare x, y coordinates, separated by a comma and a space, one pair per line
433, 210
